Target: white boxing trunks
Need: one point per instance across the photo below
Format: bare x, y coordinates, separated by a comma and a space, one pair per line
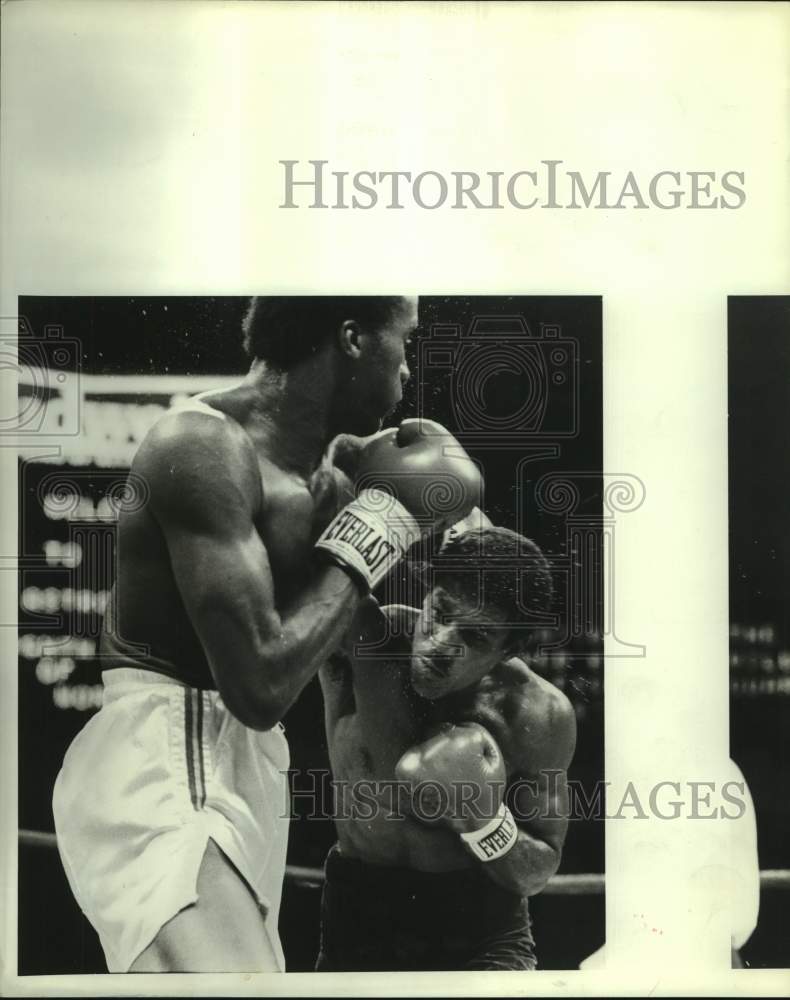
159, 770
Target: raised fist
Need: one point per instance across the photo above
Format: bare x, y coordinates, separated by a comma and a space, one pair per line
411, 481
423, 466
460, 768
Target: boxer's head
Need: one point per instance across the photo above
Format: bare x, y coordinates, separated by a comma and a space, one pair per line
484, 588
358, 344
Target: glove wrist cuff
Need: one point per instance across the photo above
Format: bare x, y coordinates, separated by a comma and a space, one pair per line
370, 535
495, 839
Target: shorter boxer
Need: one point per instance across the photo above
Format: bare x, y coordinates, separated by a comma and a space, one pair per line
434, 721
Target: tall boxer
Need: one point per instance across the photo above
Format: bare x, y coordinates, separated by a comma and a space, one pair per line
434, 721
235, 581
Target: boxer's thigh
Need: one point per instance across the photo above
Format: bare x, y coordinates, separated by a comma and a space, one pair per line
511, 947
224, 931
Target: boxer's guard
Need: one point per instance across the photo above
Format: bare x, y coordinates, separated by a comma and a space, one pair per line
449, 756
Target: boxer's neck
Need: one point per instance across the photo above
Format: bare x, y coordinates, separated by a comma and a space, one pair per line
287, 414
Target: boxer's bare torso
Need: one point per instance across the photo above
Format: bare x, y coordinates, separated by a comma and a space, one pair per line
373, 715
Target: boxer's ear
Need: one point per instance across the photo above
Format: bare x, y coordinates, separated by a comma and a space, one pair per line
349, 339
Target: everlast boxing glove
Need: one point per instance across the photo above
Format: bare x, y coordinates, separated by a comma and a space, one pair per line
411, 481
467, 765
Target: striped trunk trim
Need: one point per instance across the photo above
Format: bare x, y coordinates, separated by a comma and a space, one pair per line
193, 732
201, 782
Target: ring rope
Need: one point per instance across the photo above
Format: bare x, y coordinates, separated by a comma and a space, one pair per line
581, 884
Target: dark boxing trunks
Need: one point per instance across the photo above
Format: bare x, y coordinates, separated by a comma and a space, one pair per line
377, 918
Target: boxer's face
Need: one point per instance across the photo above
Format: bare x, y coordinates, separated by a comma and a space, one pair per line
382, 373
455, 644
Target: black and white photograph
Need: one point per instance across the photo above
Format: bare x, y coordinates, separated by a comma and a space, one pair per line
393, 447
311, 634
759, 454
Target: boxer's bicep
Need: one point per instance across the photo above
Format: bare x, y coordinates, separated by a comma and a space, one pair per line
539, 789
226, 585
542, 812
227, 589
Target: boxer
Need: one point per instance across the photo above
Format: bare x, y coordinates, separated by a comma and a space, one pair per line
236, 579
434, 721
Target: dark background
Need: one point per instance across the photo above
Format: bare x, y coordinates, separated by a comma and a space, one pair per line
759, 465
202, 336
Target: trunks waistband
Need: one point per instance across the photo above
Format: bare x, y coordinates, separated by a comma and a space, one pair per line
115, 679
399, 881
117, 654
114, 676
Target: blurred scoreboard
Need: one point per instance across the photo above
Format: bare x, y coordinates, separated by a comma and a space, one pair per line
73, 486
759, 663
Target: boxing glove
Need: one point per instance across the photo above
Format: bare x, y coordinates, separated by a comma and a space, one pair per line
426, 469
411, 481
461, 770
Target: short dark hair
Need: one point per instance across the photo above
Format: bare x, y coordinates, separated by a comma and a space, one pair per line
286, 329
515, 575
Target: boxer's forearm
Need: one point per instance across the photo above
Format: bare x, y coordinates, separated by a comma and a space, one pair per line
312, 628
527, 866
262, 660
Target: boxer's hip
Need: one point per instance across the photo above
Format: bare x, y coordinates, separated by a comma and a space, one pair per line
185, 665
388, 918
160, 769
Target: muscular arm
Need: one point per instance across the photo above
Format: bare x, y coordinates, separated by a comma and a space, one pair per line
539, 800
351, 664
336, 675
205, 493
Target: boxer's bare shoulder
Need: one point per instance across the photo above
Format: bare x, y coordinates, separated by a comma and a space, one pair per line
191, 455
531, 719
541, 721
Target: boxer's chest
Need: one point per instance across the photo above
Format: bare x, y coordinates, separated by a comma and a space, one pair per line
389, 717
392, 718
293, 516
